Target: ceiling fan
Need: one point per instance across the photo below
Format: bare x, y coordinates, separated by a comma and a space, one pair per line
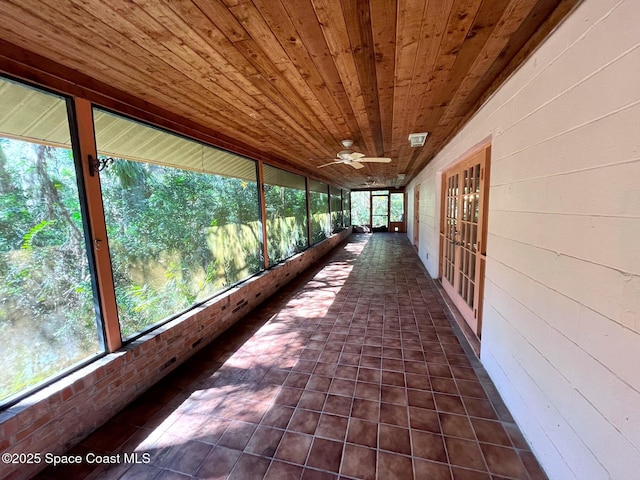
355, 159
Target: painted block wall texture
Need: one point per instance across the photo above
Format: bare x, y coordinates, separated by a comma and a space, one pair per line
561, 334
61, 415
429, 235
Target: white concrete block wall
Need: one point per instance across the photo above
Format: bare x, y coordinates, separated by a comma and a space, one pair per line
561, 333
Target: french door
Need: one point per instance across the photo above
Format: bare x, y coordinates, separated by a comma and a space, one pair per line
463, 235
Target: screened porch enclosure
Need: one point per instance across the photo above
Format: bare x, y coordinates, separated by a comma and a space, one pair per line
182, 223
381, 210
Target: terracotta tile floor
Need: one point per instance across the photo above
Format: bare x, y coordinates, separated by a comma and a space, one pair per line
353, 371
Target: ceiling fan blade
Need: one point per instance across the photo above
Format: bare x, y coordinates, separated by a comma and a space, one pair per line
356, 155
375, 160
332, 163
356, 165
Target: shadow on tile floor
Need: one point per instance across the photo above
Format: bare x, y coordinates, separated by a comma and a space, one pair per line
354, 370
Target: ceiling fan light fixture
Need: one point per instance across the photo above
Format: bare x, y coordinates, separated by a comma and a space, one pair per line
345, 155
418, 139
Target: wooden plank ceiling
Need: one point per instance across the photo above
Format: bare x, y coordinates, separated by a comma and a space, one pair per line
287, 79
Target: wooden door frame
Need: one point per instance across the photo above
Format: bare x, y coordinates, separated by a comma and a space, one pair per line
470, 157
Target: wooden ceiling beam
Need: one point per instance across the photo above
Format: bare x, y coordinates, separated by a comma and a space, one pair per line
358, 22
23, 64
457, 27
332, 22
270, 114
175, 23
293, 85
413, 32
64, 40
513, 16
303, 17
240, 105
263, 76
290, 39
383, 29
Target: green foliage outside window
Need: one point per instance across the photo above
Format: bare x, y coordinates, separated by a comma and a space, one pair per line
286, 221
397, 207
380, 209
47, 320
361, 208
336, 210
346, 207
320, 225
176, 237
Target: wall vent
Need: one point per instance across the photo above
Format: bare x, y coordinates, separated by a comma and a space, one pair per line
168, 363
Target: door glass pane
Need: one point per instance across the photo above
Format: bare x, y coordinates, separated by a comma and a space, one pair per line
47, 317
451, 228
468, 230
176, 236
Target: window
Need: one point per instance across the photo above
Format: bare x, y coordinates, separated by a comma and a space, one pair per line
361, 208
336, 210
397, 207
182, 220
319, 211
47, 318
346, 207
286, 204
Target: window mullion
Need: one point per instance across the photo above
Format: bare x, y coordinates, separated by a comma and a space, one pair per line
263, 213
97, 226
309, 226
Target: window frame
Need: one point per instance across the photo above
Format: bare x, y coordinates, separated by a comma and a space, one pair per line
113, 323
